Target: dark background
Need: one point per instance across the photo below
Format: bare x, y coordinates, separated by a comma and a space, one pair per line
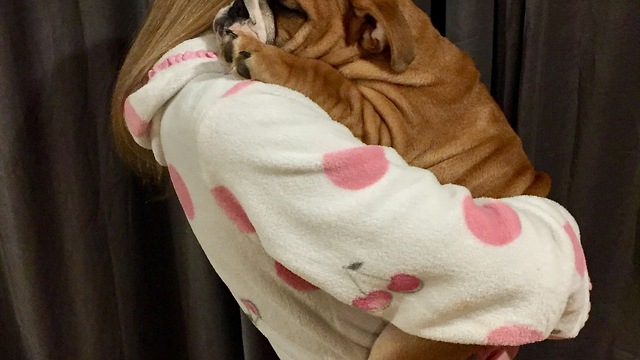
92, 268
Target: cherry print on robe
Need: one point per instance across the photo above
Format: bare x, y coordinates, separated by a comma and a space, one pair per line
513, 335
182, 192
581, 262
405, 283
251, 310
401, 283
232, 208
137, 127
356, 168
373, 300
376, 300
495, 223
292, 279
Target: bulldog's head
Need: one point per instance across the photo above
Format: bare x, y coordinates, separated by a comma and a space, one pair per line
320, 28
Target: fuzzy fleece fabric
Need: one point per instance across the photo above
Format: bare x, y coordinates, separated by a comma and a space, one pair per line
323, 240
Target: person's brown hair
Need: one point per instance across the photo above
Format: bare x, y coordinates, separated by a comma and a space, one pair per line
168, 23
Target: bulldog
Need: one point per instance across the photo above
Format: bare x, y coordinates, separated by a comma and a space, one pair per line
380, 68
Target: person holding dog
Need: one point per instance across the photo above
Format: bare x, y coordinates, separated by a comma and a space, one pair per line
324, 240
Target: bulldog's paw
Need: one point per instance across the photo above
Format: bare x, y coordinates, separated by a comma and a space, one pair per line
246, 54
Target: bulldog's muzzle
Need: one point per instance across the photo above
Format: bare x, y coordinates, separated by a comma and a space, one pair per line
253, 16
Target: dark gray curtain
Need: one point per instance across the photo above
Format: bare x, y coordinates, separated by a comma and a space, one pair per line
92, 266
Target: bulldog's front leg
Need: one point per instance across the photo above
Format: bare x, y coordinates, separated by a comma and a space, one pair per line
319, 81
249, 57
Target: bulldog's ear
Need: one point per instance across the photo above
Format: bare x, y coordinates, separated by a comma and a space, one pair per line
382, 23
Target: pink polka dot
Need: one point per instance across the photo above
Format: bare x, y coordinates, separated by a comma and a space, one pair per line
136, 125
494, 224
513, 335
183, 193
237, 87
581, 262
292, 279
356, 168
229, 203
376, 300
250, 306
251, 310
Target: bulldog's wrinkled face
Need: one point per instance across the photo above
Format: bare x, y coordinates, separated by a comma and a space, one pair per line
274, 22
313, 28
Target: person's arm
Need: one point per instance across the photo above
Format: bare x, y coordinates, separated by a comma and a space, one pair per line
361, 224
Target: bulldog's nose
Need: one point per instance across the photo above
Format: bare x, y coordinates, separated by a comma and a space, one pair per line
238, 10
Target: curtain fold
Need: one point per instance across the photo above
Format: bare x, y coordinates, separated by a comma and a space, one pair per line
92, 266
507, 56
475, 37
49, 198
579, 120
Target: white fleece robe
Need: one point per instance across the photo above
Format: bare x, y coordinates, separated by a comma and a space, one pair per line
323, 240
